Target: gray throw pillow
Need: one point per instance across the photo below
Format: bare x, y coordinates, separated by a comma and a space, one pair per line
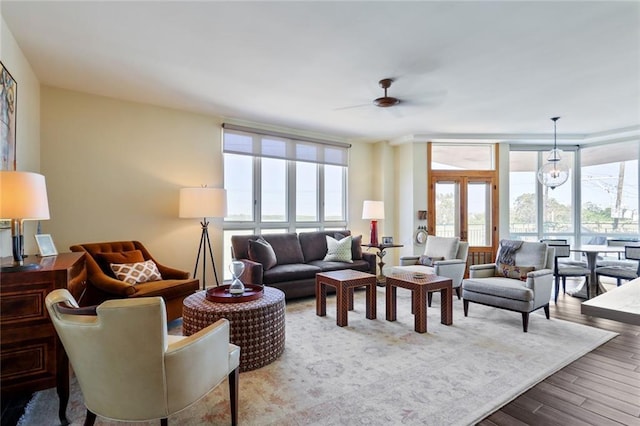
261, 251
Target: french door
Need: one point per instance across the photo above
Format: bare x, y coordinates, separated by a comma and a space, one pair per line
464, 203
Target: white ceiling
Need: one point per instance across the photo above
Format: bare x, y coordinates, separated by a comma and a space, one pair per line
483, 70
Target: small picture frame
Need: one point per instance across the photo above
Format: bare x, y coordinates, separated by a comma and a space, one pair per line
45, 245
387, 240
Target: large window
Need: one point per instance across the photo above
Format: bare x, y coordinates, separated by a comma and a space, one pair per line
609, 191
606, 195
277, 183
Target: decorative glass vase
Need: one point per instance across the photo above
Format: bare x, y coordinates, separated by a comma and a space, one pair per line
236, 268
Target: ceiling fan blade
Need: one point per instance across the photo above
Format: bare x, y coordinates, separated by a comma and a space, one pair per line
352, 106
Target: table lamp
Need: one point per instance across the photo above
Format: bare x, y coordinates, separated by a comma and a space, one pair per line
23, 196
203, 203
373, 210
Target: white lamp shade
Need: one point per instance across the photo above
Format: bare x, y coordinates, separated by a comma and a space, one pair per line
203, 202
23, 195
373, 210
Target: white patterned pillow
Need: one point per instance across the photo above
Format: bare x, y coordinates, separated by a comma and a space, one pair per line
134, 273
339, 251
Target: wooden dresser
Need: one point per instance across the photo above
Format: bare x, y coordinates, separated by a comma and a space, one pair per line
31, 355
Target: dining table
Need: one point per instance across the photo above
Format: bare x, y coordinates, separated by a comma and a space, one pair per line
592, 251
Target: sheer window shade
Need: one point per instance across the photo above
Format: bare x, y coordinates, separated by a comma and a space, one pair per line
258, 143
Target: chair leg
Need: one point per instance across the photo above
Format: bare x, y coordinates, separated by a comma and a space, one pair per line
557, 287
234, 379
564, 285
164, 422
458, 293
90, 419
429, 297
525, 321
465, 305
546, 310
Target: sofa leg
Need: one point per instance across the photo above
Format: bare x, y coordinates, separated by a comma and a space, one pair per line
525, 321
546, 310
465, 305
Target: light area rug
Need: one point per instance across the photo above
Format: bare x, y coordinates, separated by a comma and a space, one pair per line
377, 372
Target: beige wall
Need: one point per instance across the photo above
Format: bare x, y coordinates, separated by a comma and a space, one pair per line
114, 169
27, 124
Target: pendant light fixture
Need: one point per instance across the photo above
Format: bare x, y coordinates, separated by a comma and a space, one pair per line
555, 172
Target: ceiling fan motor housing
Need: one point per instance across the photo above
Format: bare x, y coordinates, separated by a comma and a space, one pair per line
386, 101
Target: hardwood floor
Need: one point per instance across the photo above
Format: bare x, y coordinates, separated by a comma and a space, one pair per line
601, 388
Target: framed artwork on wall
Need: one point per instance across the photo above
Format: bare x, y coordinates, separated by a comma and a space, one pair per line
8, 100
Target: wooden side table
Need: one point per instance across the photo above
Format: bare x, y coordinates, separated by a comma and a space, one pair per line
32, 356
420, 287
344, 282
382, 251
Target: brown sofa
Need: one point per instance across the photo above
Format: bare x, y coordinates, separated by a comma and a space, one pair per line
299, 259
103, 285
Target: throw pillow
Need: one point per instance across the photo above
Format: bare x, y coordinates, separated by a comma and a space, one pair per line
339, 251
516, 272
261, 251
134, 273
356, 245
428, 261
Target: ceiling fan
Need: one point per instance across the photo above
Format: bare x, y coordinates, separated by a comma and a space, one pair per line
386, 101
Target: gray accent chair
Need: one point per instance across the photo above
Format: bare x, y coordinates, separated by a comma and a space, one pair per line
453, 265
484, 287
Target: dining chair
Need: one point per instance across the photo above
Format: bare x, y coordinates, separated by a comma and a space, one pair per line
564, 270
568, 260
628, 271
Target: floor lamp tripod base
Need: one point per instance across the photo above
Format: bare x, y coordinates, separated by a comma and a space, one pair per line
205, 243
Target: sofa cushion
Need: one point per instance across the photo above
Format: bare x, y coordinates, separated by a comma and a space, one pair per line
357, 265
499, 287
286, 246
290, 272
338, 251
513, 271
105, 260
134, 273
261, 251
446, 247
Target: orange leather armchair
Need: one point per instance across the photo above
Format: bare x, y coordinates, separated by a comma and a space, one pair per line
103, 285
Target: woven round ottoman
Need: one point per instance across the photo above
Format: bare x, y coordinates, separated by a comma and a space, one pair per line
256, 326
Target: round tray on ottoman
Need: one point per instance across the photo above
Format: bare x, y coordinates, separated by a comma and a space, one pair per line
257, 326
221, 294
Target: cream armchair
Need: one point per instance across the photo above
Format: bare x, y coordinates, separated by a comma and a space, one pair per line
523, 287
130, 369
448, 259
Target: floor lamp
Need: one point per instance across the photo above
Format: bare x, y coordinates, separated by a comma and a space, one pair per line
203, 203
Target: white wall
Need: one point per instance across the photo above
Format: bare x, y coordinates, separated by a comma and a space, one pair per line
27, 124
